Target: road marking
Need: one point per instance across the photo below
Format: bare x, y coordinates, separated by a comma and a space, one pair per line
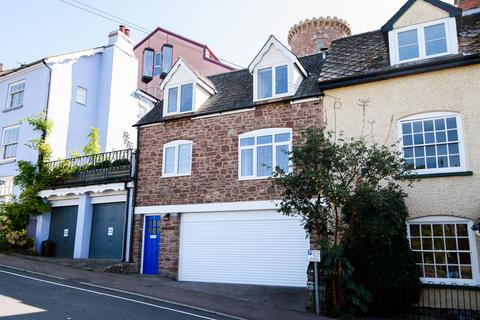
108, 295
32, 272
162, 300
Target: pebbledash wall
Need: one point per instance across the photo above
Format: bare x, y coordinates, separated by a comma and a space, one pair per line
214, 176
452, 90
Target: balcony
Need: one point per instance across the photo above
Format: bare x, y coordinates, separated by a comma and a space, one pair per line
101, 168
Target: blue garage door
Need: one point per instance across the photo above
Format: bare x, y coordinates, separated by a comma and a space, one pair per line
63, 225
108, 230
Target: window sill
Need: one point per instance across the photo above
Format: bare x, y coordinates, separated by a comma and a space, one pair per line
176, 175
5, 161
437, 175
11, 109
254, 178
448, 283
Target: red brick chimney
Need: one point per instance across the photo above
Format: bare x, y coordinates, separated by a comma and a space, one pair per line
467, 4
314, 35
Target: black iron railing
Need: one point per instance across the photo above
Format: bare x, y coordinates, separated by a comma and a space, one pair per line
402, 301
107, 167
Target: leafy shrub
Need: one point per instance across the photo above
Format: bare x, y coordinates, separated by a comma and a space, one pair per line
376, 244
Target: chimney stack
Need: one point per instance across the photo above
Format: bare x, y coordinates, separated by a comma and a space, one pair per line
127, 32
121, 28
1, 67
314, 35
467, 4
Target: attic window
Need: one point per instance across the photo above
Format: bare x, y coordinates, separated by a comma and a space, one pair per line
272, 82
180, 99
426, 40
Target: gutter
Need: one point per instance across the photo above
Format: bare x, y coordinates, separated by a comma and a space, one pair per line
454, 62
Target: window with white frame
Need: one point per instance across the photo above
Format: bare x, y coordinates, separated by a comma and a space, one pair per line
423, 41
157, 65
9, 142
444, 249
261, 151
177, 158
272, 82
433, 142
6, 188
81, 95
180, 99
142, 110
15, 95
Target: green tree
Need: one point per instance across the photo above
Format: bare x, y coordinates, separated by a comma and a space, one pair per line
93, 145
326, 174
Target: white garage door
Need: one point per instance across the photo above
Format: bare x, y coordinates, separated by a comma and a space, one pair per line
262, 247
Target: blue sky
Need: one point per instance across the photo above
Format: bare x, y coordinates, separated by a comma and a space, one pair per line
234, 30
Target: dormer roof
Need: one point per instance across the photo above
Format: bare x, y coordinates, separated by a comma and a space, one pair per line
235, 92
450, 9
200, 79
272, 41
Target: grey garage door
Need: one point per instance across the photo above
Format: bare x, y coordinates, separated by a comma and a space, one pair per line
62, 230
108, 228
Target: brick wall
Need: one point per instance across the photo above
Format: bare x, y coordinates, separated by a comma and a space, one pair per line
169, 246
306, 37
214, 175
137, 240
467, 4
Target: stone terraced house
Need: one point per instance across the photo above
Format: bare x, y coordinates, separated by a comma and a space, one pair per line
205, 209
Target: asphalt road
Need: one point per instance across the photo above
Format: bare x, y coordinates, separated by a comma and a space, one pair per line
32, 296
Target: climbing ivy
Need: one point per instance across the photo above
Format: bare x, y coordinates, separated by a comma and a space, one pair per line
31, 179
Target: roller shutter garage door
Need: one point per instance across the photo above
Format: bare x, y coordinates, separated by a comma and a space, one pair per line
261, 247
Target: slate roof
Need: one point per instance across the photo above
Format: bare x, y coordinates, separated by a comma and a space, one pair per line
235, 92
353, 57
368, 53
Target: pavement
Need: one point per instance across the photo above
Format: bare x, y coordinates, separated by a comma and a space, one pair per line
224, 301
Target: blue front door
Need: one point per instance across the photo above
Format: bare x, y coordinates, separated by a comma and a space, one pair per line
151, 249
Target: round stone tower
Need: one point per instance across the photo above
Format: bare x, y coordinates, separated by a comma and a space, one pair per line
310, 36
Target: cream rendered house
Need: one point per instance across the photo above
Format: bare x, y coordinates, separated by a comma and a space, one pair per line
417, 82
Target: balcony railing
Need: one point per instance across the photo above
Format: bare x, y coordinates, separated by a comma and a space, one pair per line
107, 167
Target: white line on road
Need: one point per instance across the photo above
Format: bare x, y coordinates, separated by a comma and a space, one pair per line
162, 300
108, 295
32, 272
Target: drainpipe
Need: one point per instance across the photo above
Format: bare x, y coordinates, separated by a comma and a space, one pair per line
126, 250
130, 208
40, 159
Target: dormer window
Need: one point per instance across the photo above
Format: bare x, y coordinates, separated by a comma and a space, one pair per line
273, 77
180, 99
185, 90
423, 41
276, 71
